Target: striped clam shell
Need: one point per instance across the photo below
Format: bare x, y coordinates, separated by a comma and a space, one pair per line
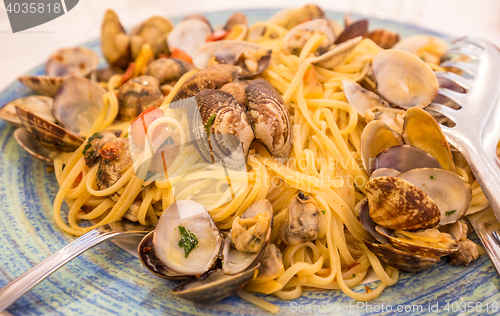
137, 95
45, 85
270, 118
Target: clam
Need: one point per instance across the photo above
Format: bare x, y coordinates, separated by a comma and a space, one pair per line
393, 118
252, 58
361, 99
427, 47
451, 193
168, 70
237, 26
422, 131
249, 238
270, 118
116, 160
383, 38
94, 144
77, 61
337, 54
402, 260
271, 266
404, 158
220, 129
403, 79
384, 172
77, 104
198, 31
200, 17
302, 220
33, 147
50, 135
37, 104
138, 94
212, 77
44, 85
398, 204
153, 31
186, 239
376, 137
353, 30
237, 90
115, 43
290, 18
296, 38
368, 223
429, 243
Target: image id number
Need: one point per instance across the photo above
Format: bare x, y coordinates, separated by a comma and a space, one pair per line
34, 8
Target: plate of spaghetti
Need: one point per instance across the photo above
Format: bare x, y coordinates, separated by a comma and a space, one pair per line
285, 158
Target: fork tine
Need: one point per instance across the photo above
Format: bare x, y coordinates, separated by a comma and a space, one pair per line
456, 79
473, 53
456, 97
471, 40
467, 67
444, 110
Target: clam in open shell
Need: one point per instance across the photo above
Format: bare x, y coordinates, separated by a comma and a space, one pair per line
37, 104
77, 61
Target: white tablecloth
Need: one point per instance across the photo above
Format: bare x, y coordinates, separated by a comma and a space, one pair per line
22, 51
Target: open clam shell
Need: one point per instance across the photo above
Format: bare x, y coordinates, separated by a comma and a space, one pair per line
236, 261
153, 31
44, 85
404, 158
77, 104
115, 43
404, 79
451, 193
32, 146
77, 61
137, 95
376, 137
368, 223
168, 234
214, 285
296, 38
421, 248
426, 47
353, 30
402, 260
256, 57
337, 54
50, 135
37, 104
385, 172
422, 131
360, 98
198, 31
289, 18
398, 204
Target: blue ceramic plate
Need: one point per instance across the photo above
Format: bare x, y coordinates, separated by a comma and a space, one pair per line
108, 280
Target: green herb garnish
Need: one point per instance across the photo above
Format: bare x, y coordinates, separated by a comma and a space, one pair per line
87, 147
323, 211
422, 57
449, 213
353, 275
188, 240
126, 135
432, 177
209, 124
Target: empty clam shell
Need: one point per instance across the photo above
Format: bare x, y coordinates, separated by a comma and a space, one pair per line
77, 104
447, 189
422, 131
77, 61
198, 31
385, 172
212, 77
270, 118
404, 158
255, 57
115, 43
376, 137
448, 246
404, 79
44, 85
37, 104
361, 99
398, 204
383, 38
368, 223
50, 135
402, 260
296, 38
358, 28
337, 54
32, 146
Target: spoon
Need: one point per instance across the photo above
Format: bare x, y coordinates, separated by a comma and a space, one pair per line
18, 287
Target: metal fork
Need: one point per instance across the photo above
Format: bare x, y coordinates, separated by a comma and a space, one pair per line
18, 287
477, 128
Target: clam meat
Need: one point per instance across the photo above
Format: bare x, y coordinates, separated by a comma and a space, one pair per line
116, 160
168, 70
302, 220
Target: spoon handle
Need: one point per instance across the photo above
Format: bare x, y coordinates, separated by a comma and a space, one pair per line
16, 288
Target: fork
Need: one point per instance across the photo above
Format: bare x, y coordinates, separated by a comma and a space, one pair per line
477, 129
18, 287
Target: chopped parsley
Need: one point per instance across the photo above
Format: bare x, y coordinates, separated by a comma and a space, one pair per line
126, 135
188, 240
353, 275
432, 177
323, 211
449, 213
422, 57
87, 147
209, 124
